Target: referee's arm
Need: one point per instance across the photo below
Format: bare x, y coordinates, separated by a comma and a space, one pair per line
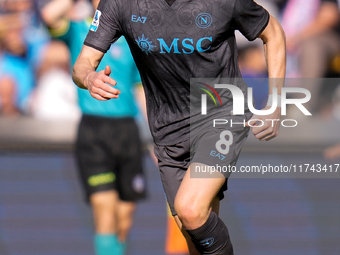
274, 43
55, 12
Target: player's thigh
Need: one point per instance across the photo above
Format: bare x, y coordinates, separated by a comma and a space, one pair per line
173, 161
198, 194
213, 153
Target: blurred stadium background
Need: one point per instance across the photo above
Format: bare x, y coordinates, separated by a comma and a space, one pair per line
42, 211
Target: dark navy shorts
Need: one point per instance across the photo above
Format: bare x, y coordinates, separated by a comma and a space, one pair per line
211, 147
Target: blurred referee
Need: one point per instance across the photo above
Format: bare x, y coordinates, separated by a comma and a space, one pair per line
108, 147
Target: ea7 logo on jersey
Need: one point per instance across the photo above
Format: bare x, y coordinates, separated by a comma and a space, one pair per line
217, 155
135, 18
95, 22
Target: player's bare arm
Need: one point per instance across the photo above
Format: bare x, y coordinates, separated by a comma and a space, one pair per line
99, 84
274, 43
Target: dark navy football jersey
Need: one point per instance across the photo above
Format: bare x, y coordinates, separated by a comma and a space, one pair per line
173, 43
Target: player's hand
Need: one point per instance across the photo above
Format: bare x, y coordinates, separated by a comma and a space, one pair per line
270, 127
100, 85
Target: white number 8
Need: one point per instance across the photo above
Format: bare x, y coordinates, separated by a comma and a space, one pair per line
223, 141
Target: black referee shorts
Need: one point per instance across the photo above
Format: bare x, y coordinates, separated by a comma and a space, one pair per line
109, 156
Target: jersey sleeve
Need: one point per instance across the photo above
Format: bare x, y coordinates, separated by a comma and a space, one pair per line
249, 18
105, 28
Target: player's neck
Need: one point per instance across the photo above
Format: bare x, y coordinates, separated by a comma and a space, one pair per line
170, 2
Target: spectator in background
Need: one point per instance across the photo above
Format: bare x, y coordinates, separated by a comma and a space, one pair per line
55, 96
8, 95
21, 42
313, 40
16, 72
112, 177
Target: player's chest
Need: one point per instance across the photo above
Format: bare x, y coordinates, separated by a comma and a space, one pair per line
184, 27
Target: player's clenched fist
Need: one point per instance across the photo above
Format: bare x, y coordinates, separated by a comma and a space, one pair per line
265, 127
100, 84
